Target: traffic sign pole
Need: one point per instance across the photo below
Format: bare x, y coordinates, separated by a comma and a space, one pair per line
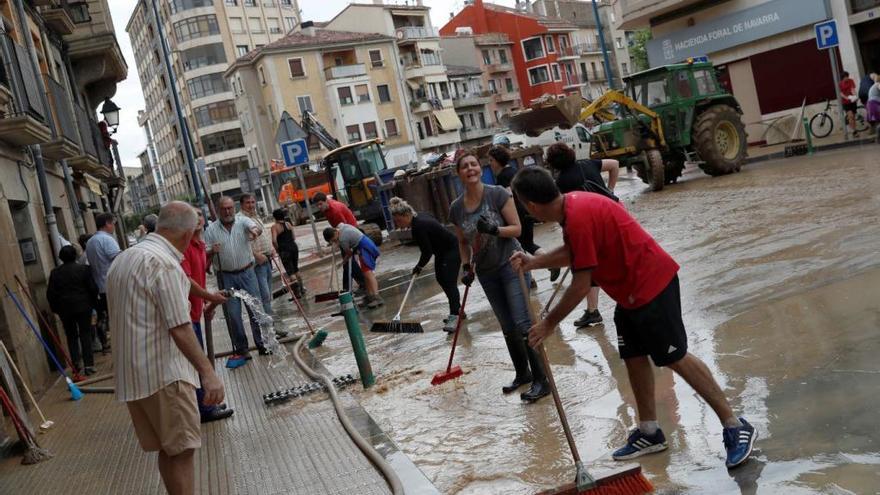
302, 185
296, 154
827, 39
832, 54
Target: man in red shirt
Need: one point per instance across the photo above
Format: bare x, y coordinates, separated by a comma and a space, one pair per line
194, 264
849, 100
603, 243
336, 213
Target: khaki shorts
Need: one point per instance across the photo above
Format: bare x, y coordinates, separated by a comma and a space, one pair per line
168, 420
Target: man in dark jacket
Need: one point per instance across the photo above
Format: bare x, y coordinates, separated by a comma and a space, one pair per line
72, 294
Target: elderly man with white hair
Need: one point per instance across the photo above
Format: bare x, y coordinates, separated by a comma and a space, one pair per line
158, 361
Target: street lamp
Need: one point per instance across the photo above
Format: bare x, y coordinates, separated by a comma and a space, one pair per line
111, 114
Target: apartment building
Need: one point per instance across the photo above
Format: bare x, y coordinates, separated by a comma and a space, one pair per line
419, 62
60, 60
348, 81
585, 51
203, 38
758, 46
491, 55
542, 60
471, 102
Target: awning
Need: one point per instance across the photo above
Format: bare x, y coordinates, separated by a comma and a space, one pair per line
448, 119
93, 184
412, 85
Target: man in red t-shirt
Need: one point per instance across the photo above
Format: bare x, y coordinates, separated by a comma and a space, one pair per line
336, 213
194, 264
849, 100
603, 243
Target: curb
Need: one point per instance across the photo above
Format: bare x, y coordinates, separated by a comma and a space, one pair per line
826, 147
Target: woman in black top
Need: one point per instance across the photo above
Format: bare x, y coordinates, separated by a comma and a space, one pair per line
499, 160
72, 294
285, 245
434, 240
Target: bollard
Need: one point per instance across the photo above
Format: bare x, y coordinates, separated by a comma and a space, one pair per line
809, 136
346, 301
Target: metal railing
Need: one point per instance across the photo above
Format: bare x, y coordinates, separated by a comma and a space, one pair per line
64, 122
341, 71
27, 80
575, 79
415, 32
87, 137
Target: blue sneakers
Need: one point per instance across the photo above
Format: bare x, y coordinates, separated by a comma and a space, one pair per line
739, 442
236, 361
639, 444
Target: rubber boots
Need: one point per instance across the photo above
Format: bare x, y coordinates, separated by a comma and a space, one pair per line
540, 386
516, 346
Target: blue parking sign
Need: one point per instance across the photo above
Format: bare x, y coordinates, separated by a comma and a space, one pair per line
826, 34
295, 152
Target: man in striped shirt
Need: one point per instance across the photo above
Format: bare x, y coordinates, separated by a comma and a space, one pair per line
158, 361
229, 239
262, 249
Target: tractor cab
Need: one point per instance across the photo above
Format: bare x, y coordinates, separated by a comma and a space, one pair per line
357, 172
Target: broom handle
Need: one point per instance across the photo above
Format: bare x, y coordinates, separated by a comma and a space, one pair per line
467, 289
556, 400
405, 296
21, 379
36, 332
23, 432
295, 299
332, 270
555, 292
51, 332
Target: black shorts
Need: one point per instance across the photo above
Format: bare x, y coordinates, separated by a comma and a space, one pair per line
654, 329
850, 106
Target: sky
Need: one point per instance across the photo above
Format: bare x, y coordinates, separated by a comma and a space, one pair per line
130, 98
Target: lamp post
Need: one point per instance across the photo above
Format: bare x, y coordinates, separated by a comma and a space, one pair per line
110, 111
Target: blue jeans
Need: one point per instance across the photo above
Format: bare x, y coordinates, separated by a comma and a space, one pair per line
264, 281
200, 393
508, 302
246, 281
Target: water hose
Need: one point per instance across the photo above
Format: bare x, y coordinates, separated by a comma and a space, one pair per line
368, 450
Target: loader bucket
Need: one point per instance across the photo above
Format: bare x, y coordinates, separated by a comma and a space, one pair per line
547, 114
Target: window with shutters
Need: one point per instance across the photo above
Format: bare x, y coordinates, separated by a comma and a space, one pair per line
305, 104
390, 128
363, 93
376, 58
384, 93
297, 69
344, 96
370, 131
353, 133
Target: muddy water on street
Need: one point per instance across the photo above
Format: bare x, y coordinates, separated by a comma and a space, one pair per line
779, 281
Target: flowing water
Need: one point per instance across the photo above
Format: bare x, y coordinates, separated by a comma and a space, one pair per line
779, 278
280, 358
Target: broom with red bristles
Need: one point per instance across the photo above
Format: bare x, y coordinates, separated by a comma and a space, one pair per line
630, 481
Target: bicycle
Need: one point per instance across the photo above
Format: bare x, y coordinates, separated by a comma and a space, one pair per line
822, 123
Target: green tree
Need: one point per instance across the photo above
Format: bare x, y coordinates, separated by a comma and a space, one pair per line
638, 51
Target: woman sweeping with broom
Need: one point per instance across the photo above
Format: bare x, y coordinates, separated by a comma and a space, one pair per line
487, 226
433, 240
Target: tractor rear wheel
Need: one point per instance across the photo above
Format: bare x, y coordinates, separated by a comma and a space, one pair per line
373, 231
720, 138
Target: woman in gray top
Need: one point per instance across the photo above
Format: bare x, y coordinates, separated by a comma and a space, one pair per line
487, 226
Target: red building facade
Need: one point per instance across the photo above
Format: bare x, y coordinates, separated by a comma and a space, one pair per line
541, 52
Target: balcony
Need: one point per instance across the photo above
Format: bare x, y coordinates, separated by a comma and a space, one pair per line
23, 124
586, 49
424, 66
344, 71
88, 160
490, 39
95, 55
499, 67
472, 133
66, 142
23, 130
472, 100
638, 13
508, 97
409, 34
567, 52
57, 16
438, 140
574, 80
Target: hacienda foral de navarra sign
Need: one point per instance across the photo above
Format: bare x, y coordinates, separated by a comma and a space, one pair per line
713, 35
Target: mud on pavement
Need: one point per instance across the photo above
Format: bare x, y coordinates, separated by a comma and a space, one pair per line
779, 279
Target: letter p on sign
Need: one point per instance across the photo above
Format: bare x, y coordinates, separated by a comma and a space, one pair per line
826, 34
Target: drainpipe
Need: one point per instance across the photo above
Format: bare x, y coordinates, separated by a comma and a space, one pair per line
36, 150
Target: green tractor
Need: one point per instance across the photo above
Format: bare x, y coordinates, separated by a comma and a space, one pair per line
665, 118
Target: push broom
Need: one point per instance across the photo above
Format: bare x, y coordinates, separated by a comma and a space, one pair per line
395, 325
453, 372
46, 424
630, 481
75, 393
317, 337
330, 295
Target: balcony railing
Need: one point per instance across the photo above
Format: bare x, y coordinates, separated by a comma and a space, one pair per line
499, 67
26, 79
584, 48
424, 61
343, 71
472, 99
87, 137
575, 79
506, 97
469, 133
415, 33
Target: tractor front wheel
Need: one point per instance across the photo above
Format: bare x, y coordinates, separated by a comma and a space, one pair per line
720, 139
